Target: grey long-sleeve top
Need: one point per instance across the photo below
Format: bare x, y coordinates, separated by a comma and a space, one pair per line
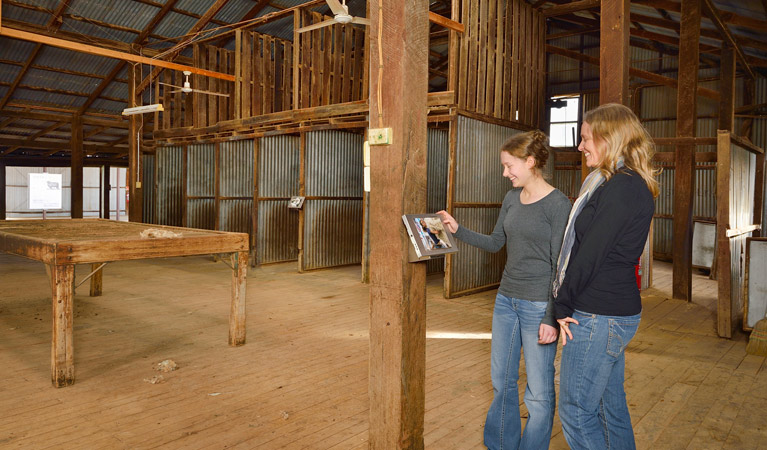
533, 236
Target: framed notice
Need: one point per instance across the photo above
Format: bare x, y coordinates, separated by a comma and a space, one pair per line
429, 236
45, 190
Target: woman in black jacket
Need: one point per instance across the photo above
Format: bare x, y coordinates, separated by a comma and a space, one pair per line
597, 303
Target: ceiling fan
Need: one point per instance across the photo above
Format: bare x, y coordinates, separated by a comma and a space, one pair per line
340, 15
187, 87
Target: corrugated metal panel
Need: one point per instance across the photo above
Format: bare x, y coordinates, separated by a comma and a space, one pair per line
236, 215
333, 164
57, 80
438, 145
108, 105
742, 178
278, 166
478, 179
127, 14
200, 182
277, 232
175, 24
150, 206
60, 58
116, 89
759, 133
333, 228
25, 15
278, 170
471, 266
90, 29
170, 194
48, 97
333, 233
236, 180
236, 169
194, 6
15, 50
8, 73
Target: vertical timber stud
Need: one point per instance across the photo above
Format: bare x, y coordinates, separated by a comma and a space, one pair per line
134, 205
107, 192
76, 191
684, 158
398, 89
723, 252
614, 52
2, 191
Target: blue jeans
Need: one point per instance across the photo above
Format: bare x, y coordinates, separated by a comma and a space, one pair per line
592, 405
515, 326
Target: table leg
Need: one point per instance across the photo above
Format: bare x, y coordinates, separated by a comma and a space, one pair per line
237, 312
96, 280
62, 359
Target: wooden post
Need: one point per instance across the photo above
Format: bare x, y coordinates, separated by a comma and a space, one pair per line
134, 197
723, 256
76, 164
107, 191
727, 89
398, 88
2, 192
301, 192
614, 56
62, 350
97, 282
237, 311
684, 161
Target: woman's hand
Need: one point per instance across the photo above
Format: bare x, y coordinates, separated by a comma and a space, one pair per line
448, 220
546, 334
564, 329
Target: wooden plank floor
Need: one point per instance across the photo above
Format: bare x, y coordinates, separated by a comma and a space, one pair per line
301, 379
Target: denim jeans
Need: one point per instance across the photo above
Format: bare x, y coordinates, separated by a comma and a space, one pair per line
592, 401
515, 326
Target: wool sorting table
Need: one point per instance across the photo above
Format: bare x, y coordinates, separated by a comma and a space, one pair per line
60, 244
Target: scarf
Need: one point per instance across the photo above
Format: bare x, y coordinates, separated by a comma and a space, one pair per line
592, 182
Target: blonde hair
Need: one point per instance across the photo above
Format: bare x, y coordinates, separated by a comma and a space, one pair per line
532, 143
624, 137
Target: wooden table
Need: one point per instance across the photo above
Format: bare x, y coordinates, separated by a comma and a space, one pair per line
60, 244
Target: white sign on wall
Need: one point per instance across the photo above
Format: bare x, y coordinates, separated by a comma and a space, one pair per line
45, 190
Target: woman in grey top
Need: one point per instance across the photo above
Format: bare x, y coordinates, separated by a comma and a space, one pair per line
531, 225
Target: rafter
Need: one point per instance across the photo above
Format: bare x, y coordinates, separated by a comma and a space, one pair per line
207, 17
37, 135
714, 14
571, 7
167, 7
53, 25
727, 17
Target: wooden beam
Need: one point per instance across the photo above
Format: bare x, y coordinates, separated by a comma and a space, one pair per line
727, 89
93, 50
199, 25
60, 145
614, 52
52, 117
76, 160
569, 8
723, 258
445, 22
105, 191
713, 13
397, 288
660, 79
684, 162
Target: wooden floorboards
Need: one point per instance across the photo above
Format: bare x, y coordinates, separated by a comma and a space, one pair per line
301, 379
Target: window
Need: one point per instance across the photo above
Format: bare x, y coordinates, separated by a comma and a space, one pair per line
564, 121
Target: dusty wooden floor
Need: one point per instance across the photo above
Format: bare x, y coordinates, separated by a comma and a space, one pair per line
301, 380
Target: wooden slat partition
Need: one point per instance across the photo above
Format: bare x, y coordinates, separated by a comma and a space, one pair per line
332, 63
197, 109
502, 65
266, 66
736, 190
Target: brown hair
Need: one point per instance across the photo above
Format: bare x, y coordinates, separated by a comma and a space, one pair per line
532, 143
624, 137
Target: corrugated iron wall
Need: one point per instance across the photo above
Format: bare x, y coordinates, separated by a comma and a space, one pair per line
170, 189
148, 168
742, 177
333, 207
235, 189
278, 171
438, 153
479, 192
201, 186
